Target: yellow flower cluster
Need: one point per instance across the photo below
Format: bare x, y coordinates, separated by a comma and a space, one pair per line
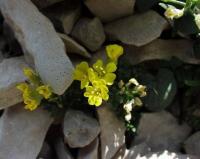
97, 78
33, 91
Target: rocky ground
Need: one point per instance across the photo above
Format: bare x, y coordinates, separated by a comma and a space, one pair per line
53, 36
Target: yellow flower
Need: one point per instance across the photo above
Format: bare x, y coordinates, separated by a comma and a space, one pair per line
22, 87
97, 93
81, 74
114, 52
31, 104
32, 76
172, 12
45, 91
105, 72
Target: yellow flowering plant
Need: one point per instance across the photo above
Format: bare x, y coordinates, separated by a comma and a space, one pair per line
97, 78
33, 90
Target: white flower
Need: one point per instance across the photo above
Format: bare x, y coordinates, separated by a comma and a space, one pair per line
197, 20
129, 106
128, 117
172, 12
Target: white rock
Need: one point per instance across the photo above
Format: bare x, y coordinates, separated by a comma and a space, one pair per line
108, 10
22, 132
161, 131
167, 155
138, 29
79, 129
62, 150
192, 144
112, 132
38, 37
89, 32
11, 73
161, 49
74, 47
134, 152
90, 151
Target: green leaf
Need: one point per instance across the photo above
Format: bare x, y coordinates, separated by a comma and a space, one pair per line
162, 90
186, 25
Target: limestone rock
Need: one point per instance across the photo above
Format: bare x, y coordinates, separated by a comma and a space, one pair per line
79, 129
161, 49
74, 47
108, 10
168, 155
45, 3
22, 132
89, 32
38, 37
138, 29
62, 150
161, 131
11, 73
192, 144
112, 132
90, 151
64, 15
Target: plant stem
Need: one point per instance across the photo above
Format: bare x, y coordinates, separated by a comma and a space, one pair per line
175, 2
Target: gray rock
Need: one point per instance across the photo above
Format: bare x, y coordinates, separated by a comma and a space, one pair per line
90, 33
45, 3
108, 10
22, 132
90, 151
62, 150
138, 30
65, 14
112, 132
134, 152
161, 49
79, 129
161, 131
38, 37
167, 155
74, 47
192, 144
11, 73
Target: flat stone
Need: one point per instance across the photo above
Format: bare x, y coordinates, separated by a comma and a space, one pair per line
79, 129
161, 131
22, 132
38, 37
73, 47
64, 15
11, 73
112, 132
167, 155
192, 144
62, 150
161, 49
45, 3
90, 151
108, 10
138, 29
90, 33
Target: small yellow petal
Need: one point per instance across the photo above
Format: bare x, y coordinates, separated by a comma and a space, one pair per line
114, 52
111, 67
